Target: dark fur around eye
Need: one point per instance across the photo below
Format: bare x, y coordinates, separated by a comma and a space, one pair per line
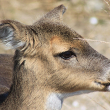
67, 55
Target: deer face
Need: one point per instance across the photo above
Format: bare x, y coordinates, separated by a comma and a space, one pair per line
60, 58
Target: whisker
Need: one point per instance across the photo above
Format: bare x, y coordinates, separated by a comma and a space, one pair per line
93, 40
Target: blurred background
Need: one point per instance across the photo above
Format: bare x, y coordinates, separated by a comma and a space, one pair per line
90, 18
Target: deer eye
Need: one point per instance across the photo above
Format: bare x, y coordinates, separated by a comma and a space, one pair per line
67, 55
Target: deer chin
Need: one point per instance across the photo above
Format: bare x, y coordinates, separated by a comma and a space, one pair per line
55, 100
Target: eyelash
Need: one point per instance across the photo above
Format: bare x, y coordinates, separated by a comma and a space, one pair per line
67, 55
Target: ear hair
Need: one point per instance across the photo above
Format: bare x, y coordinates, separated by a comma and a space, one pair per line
54, 15
9, 34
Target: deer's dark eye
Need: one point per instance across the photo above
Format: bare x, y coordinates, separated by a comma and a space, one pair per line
67, 55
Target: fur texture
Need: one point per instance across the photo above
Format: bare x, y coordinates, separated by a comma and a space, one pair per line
49, 60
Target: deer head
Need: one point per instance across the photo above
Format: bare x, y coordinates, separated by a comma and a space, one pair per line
51, 62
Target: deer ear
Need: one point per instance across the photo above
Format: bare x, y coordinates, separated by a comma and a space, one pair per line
54, 15
12, 34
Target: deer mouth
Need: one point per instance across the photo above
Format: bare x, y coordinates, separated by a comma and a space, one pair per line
105, 85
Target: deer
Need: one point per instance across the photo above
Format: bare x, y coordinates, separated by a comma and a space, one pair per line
51, 62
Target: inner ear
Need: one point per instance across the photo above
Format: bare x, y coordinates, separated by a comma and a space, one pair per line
12, 33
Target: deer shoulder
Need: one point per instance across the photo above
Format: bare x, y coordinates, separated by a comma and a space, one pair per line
6, 68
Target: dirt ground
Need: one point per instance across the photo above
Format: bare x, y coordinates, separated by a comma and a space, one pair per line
90, 18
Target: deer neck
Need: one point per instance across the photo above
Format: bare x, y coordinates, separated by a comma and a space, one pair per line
27, 93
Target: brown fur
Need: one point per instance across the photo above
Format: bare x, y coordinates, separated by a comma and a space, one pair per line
6, 67
38, 68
